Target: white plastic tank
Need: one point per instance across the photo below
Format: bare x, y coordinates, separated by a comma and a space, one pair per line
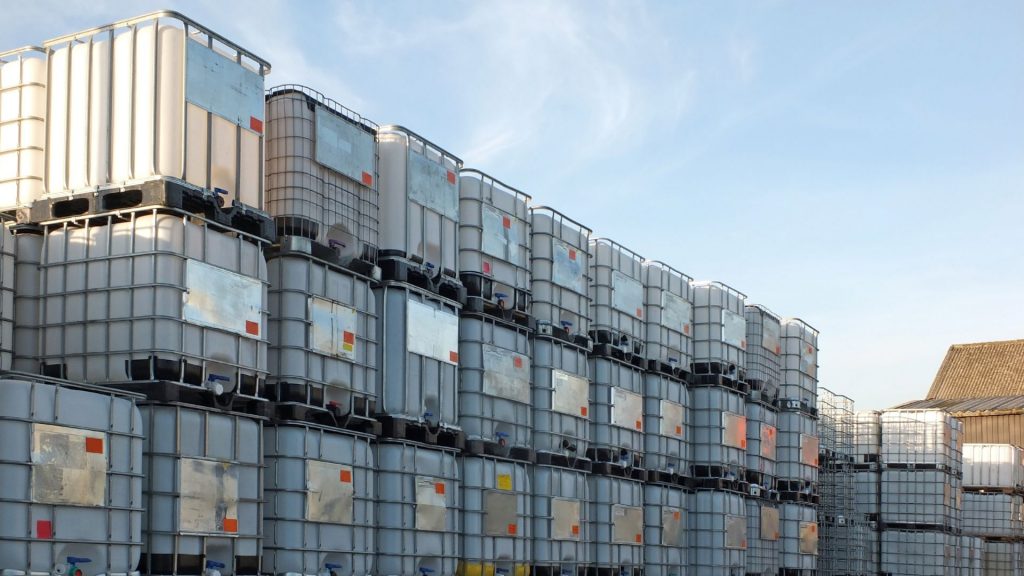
494, 386
719, 330
561, 540
993, 514
763, 534
8, 277
28, 251
718, 533
931, 554
202, 489
799, 362
666, 424
497, 520
665, 539
559, 259
764, 348
22, 126
418, 520
922, 437
616, 524
70, 478
931, 497
321, 172
494, 242
798, 540
993, 466
320, 486
419, 210
155, 95
418, 356
617, 298
762, 443
1003, 558
971, 551
322, 333
797, 452
561, 405
718, 443
146, 296
866, 496
616, 412
867, 435
668, 315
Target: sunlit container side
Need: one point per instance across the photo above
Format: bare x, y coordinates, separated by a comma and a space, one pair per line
665, 539
799, 362
496, 506
993, 466
668, 316
923, 554
798, 539
70, 477
494, 244
561, 404
797, 453
320, 486
22, 126
559, 256
561, 539
762, 444
616, 413
418, 519
203, 491
867, 499
321, 174
616, 525
27, 311
931, 497
719, 433
717, 533
993, 515
867, 436
616, 299
155, 96
666, 425
764, 348
145, 296
931, 437
763, 534
719, 330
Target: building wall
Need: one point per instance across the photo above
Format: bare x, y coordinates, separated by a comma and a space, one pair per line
1001, 429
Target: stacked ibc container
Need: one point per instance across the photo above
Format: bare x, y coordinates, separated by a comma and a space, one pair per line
920, 491
867, 477
993, 504
842, 540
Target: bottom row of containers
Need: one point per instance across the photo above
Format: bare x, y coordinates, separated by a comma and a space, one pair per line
92, 483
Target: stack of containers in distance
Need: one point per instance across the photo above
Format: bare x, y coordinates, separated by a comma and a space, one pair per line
668, 312
993, 503
23, 116
841, 548
494, 376
561, 408
920, 491
867, 445
798, 446
152, 279
320, 479
617, 369
418, 478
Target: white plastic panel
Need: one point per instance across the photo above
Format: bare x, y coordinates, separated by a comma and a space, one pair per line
330, 492
676, 312
500, 515
565, 519
209, 496
672, 419
627, 294
219, 298
734, 329
433, 333
568, 269
333, 328
506, 374
771, 336
344, 147
627, 524
569, 395
736, 532
627, 409
500, 238
432, 185
223, 87
69, 466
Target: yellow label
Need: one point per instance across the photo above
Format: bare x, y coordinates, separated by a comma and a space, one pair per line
504, 481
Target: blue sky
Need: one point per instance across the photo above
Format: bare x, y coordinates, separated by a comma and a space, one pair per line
857, 164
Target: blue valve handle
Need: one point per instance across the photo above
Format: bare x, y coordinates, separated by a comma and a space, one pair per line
221, 191
217, 378
425, 570
332, 566
214, 564
78, 560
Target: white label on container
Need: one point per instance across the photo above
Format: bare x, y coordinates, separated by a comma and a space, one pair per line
568, 267
769, 523
627, 409
672, 424
809, 538
496, 226
431, 504
223, 87
569, 394
209, 496
433, 185
676, 313
565, 519
217, 298
734, 430
671, 526
432, 332
329, 492
770, 338
344, 146
69, 466
809, 359
500, 518
734, 329
736, 532
769, 441
809, 450
506, 374
332, 328
627, 295
627, 524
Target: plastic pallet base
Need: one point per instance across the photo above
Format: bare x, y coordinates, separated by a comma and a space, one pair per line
476, 447
706, 380
1015, 491
609, 469
763, 480
365, 265
670, 370
192, 564
482, 287
609, 351
613, 456
796, 572
792, 405
614, 571
918, 466
289, 412
943, 528
549, 332
801, 497
628, 344
481, 307
397, 268
718, 368
395, 428
789, 485
553, 571
563, 461
722, 485
668, 479
716, 471
164, 392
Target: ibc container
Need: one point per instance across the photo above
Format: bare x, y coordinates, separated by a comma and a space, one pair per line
616, 412
666, 423
665, 545
799, 362
71, 477
717, 533
321, 165
719, 330
762, 441
866, 494
872, 551
559, 256
561, 391
971, 551
763, 535
798, 537
922, 437
203, 490
28, 252
8, 277
616, 297
668, 311
320, 488
151, 96
1003, 558
764, 346
494, 383
920, 497
719, 440
993, 466
22, 126
494, 241
798, 449
419, 192
867, 435
616, 525
993, 514
923, 554
418, 523
496, 517
418, 357
561, 542
144, 295
322, 332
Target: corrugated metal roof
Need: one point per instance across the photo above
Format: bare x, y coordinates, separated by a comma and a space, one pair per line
984, 369
972, 406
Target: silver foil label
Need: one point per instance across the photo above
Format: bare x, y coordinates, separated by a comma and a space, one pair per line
769, 523
223, 87
209, 496
344, 147
432, 333
332, 328
627, 295
570, 394
676, 312
506, 374
568, 268
672, 424
69, 466
671, 526
734, 430
330, 492
734, 329
627, 524
500, 515
736, 532
627, 409
222, 299
433, 185
565, 519
431, 504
